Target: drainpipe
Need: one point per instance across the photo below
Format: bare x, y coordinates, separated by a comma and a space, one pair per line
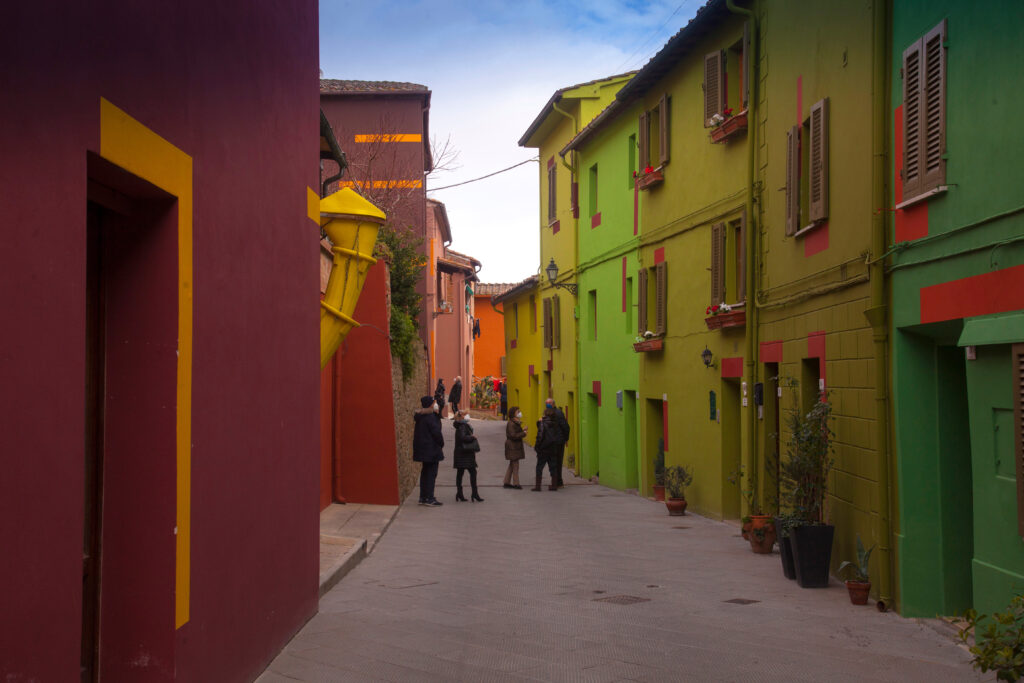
877, 314
575, 130
751, 236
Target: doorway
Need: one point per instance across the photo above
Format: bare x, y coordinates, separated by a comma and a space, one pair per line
629, 449
654, 433
591, 455
731, 441
772, 444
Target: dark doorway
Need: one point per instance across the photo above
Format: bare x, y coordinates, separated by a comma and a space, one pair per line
772, 445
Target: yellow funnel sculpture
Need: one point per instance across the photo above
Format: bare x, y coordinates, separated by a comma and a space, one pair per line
351, 224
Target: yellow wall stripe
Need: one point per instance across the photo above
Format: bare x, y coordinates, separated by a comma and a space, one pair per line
135, 148
393, 137
381, 184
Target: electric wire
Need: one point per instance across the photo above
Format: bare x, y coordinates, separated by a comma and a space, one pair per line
651, 35
467, 182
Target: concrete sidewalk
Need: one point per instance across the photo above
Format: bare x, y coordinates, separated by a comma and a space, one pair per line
347, 535
591, 584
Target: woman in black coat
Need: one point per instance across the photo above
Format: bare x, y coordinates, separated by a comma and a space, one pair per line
455, 396
428, 448
465, 456
439, 395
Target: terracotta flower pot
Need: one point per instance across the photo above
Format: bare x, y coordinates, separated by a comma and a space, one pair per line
745, 530
762, 533
859, 591
659, 492
676, 506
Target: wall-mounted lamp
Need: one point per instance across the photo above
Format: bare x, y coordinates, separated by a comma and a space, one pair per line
552, 271
707, 357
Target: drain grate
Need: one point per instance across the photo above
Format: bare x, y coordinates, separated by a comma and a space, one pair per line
741, 601
622, 599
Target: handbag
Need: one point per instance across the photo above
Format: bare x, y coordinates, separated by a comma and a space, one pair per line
471, 444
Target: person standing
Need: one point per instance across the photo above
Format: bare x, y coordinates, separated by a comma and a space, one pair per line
546, 445
455, 395
466, 447
514, 451
503, 394
563, 429
428, 448
439, 395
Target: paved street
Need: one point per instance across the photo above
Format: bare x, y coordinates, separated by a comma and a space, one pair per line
589, 584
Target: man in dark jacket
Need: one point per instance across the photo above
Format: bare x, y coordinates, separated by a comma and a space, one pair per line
455, 396
563, 429
428, 448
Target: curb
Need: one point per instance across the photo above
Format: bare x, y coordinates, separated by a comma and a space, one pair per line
346, 564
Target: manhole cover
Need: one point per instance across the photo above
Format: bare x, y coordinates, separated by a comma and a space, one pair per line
653, 585
741, 601
622, 599
599, 495
680, 527
599, 592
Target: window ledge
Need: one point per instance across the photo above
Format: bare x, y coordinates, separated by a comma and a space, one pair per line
923, 196
809, 228
648, 180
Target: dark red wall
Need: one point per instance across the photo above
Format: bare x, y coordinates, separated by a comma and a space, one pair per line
367, 460
234, 85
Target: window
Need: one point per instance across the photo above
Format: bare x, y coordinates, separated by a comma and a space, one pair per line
924, 114
654, 134
552, 191
592, 191
592, 312
652, 298
515, 321
552, 324
629, 305
631, 161
714, 86
533, 313
728, 261
721, 67
807, 171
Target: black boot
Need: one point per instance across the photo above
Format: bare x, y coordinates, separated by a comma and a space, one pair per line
475, 497
536, 487
459, 497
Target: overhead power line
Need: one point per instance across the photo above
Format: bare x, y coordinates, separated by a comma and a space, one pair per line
648, 39
466, 182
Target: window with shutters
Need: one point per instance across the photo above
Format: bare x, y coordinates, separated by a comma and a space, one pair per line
654, 135
592, 191
629, 305
924, 116
552, 193
641, 297
727, 88
807, 171
1018, 426
631, 156
556, 323
652, 300
728, 261
660, 298
592, 312
533, 313
548, 327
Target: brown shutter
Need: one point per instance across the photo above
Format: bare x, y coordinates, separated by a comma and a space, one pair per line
645, 144
933, 94
556, 323
574, 198
547, 323
641, 308
717, 263
714, 94
660, 298
1018, 434
912, 122
741, 260
792, 180
746, 64
663, 128
552, 192
818, 156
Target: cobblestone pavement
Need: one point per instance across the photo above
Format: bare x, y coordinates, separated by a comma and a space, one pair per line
590, 584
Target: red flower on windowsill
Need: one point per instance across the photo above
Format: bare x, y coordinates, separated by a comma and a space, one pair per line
648, 169
727, 112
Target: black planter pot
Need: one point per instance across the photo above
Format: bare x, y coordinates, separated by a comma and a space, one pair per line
786, 552
812, 554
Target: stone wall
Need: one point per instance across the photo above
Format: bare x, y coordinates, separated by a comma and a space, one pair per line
407, 401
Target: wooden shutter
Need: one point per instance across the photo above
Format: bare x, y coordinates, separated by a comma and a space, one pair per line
1018, 424
717, 263
547, 323
552, 193
933, 96
663, 128
746, 64
792, 180
641, 308
818, 155
556, 323
661, 296
741, 260
912, 121
714, 92
645, 144
574, 198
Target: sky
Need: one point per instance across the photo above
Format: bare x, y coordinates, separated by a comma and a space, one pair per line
491, 66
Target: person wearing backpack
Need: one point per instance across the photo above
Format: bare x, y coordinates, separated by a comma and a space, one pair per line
546, 445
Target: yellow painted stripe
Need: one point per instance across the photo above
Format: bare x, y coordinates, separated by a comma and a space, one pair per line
393, 137
381, 184
135, 148
313, 205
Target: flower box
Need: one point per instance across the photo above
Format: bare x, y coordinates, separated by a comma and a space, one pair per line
724, 320
730, 127
648, 180
648, 345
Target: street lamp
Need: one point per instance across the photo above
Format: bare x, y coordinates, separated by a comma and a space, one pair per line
706, 356
552, 271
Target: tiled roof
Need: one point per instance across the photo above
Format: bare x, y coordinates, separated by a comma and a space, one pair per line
492, 288
557, 97
516, 289
333, 86
458, 256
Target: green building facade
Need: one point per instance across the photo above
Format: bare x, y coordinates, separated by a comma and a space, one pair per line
957, 279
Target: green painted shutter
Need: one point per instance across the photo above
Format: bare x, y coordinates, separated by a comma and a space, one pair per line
818, 157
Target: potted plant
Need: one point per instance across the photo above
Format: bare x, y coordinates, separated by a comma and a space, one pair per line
677, 478
659, 471
804, 481
859, 586
758, 528
999, 646
783, 527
